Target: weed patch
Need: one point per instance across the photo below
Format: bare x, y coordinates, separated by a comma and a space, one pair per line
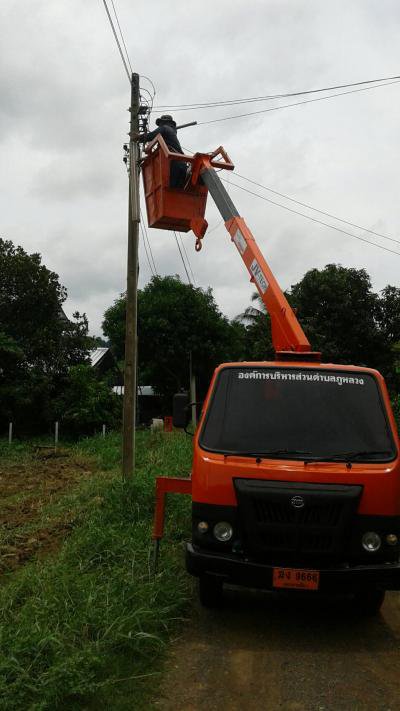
89, 623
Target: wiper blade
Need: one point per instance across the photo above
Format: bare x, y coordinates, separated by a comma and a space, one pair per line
268, 453
349, 456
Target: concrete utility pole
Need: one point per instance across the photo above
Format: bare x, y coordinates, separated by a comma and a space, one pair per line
130, 389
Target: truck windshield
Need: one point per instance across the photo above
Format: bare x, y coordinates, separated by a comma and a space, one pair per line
296, 413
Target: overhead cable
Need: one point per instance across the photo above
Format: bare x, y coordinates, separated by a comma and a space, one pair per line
314, 219
315, 209
122, 37
187, 258
183, 261
143, 76
145, 249
146, 237
117, 41
297, 103
298, 202
268, 97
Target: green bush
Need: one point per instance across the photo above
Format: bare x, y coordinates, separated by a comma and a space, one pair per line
86, 403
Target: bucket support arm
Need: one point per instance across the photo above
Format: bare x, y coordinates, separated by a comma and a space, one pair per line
287, 335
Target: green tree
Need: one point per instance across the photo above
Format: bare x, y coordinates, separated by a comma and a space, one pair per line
339, 313
389, 324
343, 318
257, 333
389, 314
31, 299
114, 327
174, 320
85, 403
38, 343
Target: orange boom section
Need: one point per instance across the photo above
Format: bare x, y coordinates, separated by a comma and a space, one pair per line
183, 210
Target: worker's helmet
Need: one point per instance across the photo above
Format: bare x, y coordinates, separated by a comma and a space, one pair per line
165, 119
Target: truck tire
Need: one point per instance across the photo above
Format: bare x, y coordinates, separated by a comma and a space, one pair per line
369, 602
210, 591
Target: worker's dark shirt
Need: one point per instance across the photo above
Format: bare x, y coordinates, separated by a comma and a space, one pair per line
169, 135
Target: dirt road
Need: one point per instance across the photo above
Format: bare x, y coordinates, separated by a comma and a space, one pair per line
262, 651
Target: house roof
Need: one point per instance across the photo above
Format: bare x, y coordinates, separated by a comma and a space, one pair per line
97, 355
143, 390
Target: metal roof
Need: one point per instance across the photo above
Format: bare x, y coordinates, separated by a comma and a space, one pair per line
145, 390
97, 354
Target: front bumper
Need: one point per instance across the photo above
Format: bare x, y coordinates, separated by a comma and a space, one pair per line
240, 571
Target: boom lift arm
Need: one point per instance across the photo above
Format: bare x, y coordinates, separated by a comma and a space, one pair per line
287, 335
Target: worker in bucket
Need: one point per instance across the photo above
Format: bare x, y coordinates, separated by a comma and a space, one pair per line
166, 127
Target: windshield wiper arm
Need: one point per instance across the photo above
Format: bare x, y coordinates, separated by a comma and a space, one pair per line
349, 456
268, 453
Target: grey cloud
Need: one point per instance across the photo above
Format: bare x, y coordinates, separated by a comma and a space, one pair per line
75, 176
63, 120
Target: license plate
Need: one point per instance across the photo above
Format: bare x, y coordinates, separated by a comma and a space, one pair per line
294, 578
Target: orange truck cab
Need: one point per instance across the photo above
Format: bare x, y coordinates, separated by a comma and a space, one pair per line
295, 481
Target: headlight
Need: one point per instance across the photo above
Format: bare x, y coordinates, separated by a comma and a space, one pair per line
371, 541
202, 527
223, 531
391, 539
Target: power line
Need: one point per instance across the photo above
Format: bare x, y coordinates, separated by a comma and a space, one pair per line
314, 219
187, 258
268, 97
183, 261
297, 103
122, 37
221, 222
150, 249
145, 249
146, 236
143, 76
303, 204
117, 41
321, 212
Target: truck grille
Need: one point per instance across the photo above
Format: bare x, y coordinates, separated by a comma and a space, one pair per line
272, 525
275, 512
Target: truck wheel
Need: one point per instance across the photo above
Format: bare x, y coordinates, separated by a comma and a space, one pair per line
369, 602
210, 591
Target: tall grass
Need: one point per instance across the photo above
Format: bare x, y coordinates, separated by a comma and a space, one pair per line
89, 624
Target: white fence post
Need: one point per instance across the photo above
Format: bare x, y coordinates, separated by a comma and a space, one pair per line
104, 430
56, 436
10, 432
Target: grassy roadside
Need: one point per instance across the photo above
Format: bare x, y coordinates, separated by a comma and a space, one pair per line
86, 627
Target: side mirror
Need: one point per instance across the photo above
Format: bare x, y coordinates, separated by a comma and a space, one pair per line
181, 413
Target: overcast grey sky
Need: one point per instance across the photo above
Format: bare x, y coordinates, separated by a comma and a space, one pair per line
63, 120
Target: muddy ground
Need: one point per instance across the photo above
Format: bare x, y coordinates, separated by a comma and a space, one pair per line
262, 651
26, 488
